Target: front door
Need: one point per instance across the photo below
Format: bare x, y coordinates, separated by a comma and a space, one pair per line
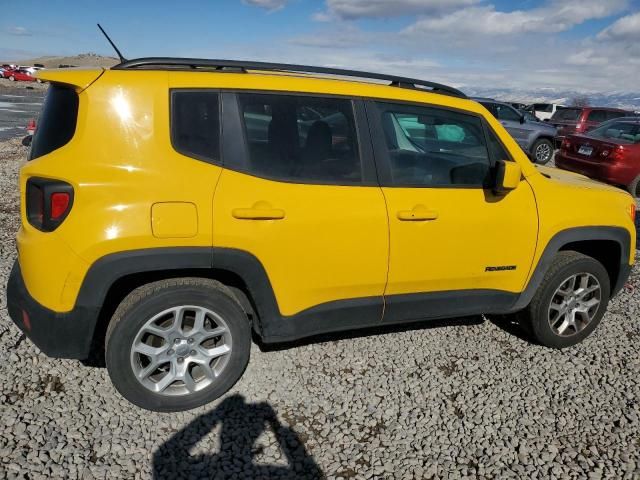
455, 247
300, 195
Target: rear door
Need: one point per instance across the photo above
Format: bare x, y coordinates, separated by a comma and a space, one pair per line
299, 193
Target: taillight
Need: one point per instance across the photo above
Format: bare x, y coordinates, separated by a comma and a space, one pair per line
59, 204
566, 144
48, 202
618, 153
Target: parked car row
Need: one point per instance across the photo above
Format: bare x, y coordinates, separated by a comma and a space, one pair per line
534, 137
19, 73
582, 119
602, 143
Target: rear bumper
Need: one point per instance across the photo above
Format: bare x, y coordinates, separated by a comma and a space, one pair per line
59, 335
609, 173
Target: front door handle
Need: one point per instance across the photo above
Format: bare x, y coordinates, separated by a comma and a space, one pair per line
419, 213
259, 211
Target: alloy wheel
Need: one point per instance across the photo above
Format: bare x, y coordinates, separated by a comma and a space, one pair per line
574, 304
181, 350
543, 153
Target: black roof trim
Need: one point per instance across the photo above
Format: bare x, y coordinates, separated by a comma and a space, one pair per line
161, 63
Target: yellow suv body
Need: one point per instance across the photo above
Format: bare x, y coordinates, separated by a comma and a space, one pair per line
221, 194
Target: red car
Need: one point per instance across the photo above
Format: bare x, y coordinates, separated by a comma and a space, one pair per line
21, 75
609, 153
569, 120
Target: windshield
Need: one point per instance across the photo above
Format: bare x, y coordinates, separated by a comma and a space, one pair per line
567, 114
627, 132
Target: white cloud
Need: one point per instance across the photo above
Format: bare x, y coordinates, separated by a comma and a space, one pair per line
270, 5
556, 16
18, 31
588, 57
355, 9
625, 28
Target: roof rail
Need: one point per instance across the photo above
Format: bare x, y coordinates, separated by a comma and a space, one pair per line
161, 63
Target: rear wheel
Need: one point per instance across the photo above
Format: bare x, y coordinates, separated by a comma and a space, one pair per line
634, 188
177, 344
542, 151
570, 301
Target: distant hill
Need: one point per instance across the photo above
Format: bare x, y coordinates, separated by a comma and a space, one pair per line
80, 60
620, 99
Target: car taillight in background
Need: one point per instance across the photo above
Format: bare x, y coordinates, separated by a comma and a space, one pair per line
48, 202
31, 127
566, 144
614, 154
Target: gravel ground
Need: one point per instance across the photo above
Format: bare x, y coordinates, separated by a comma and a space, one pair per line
19, 103
468, 398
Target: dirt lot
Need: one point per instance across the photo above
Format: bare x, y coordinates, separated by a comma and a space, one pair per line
465, 398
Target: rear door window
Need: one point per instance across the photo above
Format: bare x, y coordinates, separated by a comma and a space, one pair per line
302, 139
57, 122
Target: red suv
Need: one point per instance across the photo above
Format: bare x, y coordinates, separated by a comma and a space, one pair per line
610, 153
582, 119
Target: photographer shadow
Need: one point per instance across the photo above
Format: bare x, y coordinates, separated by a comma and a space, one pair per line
241, 424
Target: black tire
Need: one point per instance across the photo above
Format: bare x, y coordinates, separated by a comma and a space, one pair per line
544, 144
634, 188
149, 300
536, 315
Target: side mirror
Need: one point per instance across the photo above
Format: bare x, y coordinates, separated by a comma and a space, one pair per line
508, 176
522, 119
26, 141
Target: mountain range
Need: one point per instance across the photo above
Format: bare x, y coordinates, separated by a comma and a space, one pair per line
620, 99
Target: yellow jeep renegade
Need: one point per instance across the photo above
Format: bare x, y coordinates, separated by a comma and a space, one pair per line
171, 207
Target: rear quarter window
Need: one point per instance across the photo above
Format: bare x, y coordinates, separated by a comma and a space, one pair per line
195, 124
57, 122
567, 114
598, 116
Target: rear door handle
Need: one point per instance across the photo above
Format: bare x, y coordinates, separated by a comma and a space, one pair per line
259, 211
419, 213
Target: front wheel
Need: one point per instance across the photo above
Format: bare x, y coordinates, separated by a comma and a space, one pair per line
12, 78
570, 301
542, 151
176, 344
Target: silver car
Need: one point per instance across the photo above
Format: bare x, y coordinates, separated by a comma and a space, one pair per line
534, 137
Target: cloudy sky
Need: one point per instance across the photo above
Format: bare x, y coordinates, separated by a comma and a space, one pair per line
577, 44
